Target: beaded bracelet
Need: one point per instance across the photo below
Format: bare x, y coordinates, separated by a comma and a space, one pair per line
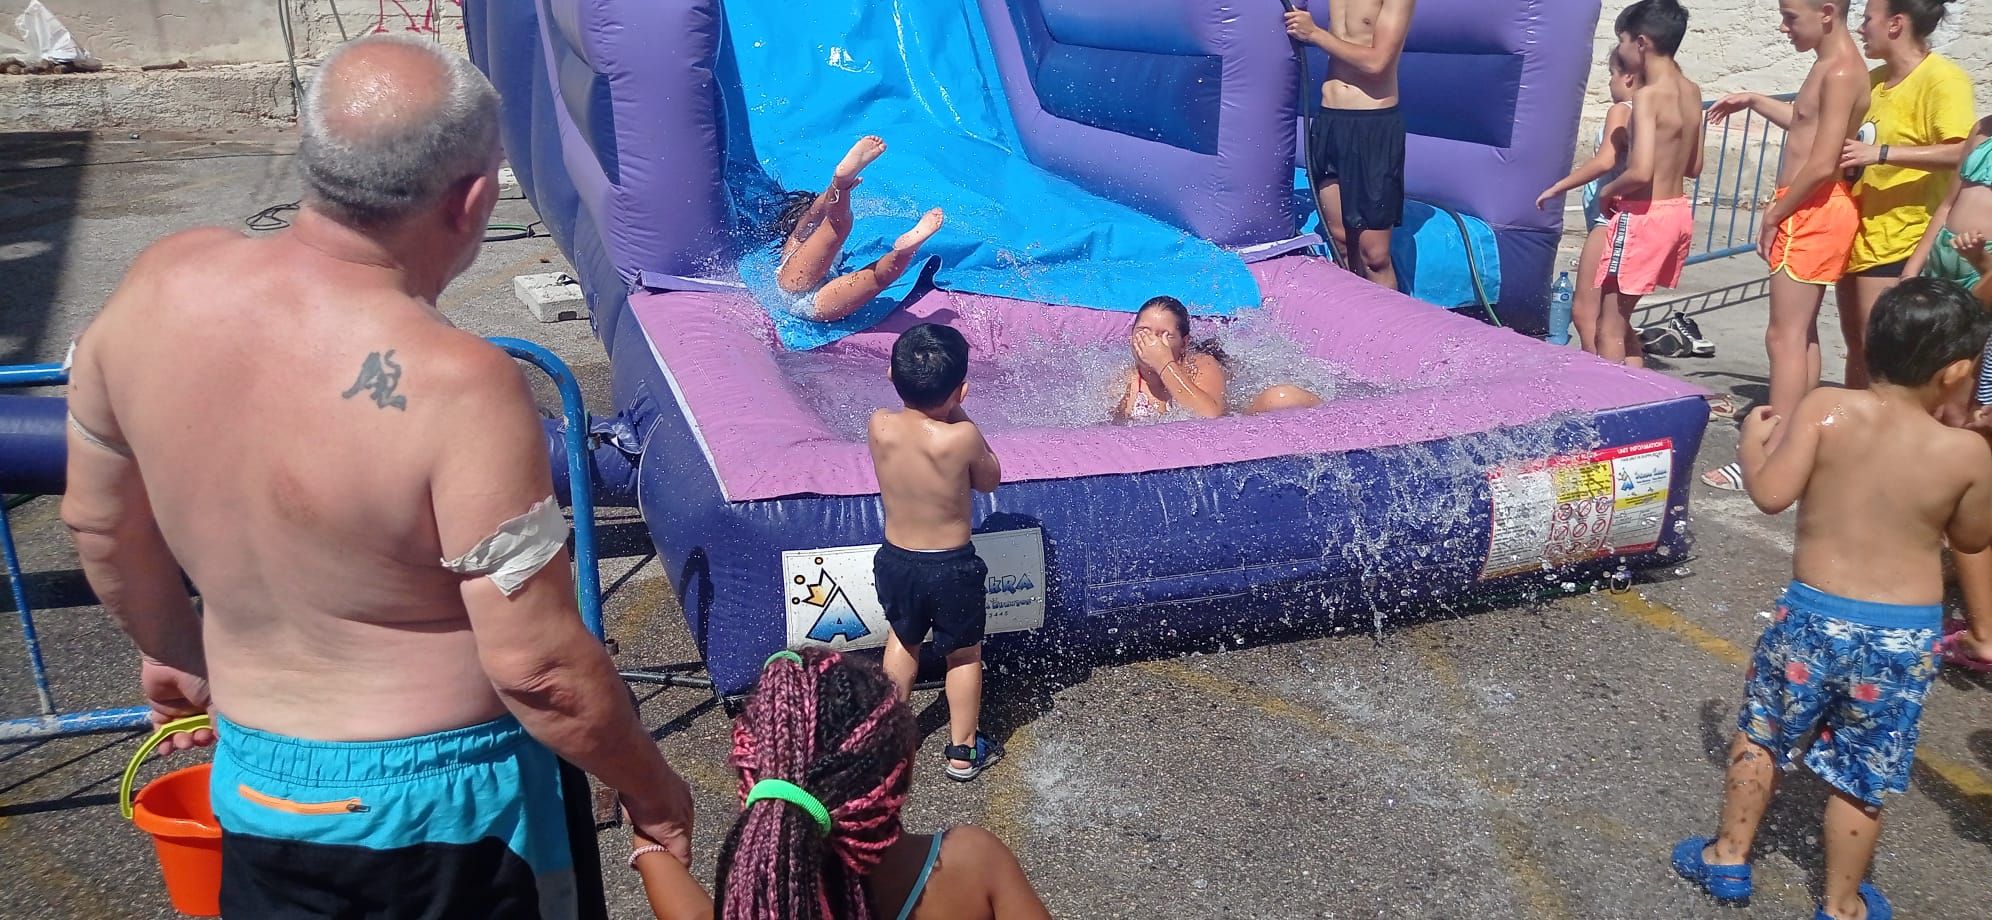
644, 851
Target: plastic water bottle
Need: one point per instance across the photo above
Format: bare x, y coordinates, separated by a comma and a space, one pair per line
1560, 297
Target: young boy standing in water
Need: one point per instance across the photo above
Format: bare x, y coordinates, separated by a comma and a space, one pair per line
928, 456
1880, 485
1651, 216
1808, 231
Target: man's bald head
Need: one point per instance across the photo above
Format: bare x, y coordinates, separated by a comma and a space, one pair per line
389, 124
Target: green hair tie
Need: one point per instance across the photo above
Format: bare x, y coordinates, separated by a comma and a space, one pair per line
785, 791
789, 654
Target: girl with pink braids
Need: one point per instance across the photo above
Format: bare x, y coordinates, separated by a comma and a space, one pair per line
825, 754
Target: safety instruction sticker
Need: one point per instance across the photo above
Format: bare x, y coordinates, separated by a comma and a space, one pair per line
1577, 507
833, 601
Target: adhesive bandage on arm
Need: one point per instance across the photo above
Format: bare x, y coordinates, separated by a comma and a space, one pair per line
518, 550
97, 440
75, 424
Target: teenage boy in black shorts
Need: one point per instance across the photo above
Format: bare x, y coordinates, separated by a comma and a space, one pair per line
1357, 142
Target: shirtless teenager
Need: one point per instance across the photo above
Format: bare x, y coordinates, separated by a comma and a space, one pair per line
1808, 231
928, 457
1357, 140
1651, 216
330, 460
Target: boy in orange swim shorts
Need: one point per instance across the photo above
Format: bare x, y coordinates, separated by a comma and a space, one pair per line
1809, 230
1812, 245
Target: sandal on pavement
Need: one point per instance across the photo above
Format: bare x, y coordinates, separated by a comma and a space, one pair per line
1728, 884
984, 752
1878, 907
1727, 477
1952, 649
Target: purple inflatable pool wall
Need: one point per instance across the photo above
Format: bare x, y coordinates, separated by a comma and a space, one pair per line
1480, 459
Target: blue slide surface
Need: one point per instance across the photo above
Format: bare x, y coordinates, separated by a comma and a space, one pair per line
816, 76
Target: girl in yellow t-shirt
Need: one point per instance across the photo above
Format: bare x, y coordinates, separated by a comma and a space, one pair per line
1918, 117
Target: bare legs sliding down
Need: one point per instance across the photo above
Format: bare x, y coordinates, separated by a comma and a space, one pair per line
818, 239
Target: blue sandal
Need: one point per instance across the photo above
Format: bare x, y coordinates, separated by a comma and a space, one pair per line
1727, 884
1878, 907
980, 755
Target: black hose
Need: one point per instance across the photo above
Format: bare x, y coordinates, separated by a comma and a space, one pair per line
1307, 150
1473, 266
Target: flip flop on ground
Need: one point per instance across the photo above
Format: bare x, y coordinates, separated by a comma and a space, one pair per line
1954, 655
1727, 477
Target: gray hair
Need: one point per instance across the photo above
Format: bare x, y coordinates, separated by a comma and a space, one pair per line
374, 153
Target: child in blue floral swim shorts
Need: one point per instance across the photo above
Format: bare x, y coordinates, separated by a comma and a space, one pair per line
1838, 679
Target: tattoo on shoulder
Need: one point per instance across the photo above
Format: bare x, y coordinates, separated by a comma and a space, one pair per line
379, 377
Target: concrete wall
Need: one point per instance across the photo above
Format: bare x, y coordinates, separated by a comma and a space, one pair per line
1734, 45
138, 33
236, 75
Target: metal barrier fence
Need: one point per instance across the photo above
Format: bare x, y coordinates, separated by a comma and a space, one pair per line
53, 723
1721, 230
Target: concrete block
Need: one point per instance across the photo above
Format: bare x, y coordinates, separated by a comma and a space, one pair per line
552, 296
231, 97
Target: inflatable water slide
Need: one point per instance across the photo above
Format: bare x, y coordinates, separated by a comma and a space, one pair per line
1088, 156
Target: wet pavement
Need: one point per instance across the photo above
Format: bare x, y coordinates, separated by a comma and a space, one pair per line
1521, 761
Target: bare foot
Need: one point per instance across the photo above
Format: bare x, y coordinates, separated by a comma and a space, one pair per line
862, 154
929, 224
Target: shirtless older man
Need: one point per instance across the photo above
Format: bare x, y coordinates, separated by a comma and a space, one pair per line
1357, 141
361, 492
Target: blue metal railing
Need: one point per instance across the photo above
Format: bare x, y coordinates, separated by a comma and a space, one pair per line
1732, 162
51, 723
580, 475
48, 723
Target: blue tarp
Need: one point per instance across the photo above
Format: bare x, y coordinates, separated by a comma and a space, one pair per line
1429, 253
816, 76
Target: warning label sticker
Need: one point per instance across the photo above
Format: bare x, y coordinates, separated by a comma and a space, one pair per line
1577, 507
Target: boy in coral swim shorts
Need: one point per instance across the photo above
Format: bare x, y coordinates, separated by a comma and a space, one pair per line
1651, 216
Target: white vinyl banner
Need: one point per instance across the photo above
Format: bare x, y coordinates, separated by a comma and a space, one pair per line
832, 600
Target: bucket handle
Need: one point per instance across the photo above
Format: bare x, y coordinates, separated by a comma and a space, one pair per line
175, 727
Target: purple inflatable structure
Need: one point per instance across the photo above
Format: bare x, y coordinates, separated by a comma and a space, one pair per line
1456, 458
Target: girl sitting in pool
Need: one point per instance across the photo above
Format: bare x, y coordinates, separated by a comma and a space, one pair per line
813, 228
1171, 371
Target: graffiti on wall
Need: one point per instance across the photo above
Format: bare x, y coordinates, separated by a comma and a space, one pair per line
420, 16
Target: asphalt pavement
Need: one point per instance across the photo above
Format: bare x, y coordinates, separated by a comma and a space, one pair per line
1533, 760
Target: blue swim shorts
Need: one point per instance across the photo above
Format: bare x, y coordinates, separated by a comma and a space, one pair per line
462, 823
1854, 671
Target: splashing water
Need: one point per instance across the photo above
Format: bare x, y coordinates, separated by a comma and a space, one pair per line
1425, 487
1048, 383
1413, 496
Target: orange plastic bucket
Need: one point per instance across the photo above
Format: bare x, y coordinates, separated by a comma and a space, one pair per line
176, 811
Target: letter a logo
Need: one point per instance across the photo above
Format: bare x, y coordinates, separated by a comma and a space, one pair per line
839, 618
